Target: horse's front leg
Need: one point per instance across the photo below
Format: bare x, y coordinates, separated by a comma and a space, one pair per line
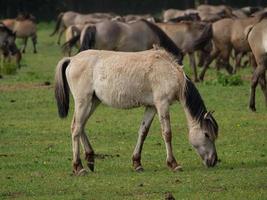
164, 117
142, 133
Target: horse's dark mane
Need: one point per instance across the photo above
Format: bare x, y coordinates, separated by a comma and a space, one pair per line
88, 40
166, 42
205, 37
188, 17
197, 108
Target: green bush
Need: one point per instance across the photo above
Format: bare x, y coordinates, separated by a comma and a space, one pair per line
226, 80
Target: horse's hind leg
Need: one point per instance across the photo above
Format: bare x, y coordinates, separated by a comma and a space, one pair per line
34, 42
89, 152
213, 55
81, 114
25, 45
164, 117
262, 82
254, 83
142, 133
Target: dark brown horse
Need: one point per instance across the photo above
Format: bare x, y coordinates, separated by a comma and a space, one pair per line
8, 46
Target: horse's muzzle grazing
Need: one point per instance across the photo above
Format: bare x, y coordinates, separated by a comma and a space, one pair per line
211, 161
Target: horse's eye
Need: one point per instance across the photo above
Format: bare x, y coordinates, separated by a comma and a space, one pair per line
207, 135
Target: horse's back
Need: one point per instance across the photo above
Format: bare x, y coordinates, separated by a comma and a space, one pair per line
257, 39
24, 28
113, 35
126, 79
9, 23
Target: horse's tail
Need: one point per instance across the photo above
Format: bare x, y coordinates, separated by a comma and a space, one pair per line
88, 38
205, 37
165, 42
70, 43
62, 88
59, 19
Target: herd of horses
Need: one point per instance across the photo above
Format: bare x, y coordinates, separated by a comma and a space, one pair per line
136, 60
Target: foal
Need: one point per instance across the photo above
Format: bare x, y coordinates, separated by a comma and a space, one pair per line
125, 80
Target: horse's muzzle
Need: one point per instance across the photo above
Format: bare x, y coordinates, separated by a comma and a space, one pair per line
212, 160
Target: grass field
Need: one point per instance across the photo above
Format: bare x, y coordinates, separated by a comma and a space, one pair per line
35, 145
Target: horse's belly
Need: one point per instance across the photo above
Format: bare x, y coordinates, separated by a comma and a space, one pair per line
122, 94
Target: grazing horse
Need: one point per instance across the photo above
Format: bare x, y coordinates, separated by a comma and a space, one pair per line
257, 39
125, 80
66, 19
24, 27
189, 36
8, 46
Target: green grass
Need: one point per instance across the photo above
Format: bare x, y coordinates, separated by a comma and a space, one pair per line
35, 145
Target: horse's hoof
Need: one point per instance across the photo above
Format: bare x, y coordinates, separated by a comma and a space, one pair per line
91, 166
201, 78
252, 108
82, 172
139, 169
177, 169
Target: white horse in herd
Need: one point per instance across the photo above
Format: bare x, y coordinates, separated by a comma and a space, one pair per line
124, 80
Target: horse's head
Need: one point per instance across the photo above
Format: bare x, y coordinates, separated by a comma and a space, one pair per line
202, 136
7, 40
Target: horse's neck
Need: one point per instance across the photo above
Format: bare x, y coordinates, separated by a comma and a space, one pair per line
191, 121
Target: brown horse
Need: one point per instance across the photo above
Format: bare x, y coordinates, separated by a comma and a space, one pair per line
257, 39
225, 40
24, 27
118, 36
66, 19
189, 37
211, 13
127, 80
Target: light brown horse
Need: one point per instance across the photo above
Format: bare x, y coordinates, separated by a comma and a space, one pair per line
24, 28
211, 13
225, 40
127, 80
257, 39
189, 36
66, 19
